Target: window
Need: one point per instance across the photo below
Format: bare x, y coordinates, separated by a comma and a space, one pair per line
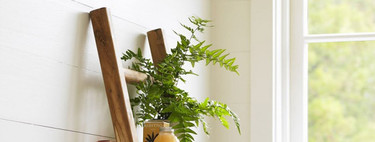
332, 67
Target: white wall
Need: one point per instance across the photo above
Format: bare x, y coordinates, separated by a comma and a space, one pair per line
51, 87
232, 31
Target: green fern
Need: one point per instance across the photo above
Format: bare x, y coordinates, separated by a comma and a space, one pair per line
160, 98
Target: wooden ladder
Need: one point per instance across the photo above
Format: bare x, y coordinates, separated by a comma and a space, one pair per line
115, 77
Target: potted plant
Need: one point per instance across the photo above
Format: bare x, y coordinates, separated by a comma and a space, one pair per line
160, 98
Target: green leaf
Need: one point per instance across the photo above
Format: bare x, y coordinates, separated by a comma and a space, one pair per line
184, 41
179, 126
192, 63
191, 50
224, 122
230, 61
188, 124
187, 130
204, 104
186, 138
222, 57
204, 48
199, 45
214, 61
155, 92
213, 52
208, 61
170, 108
174, 118
139, 52
186, 27
218, 53
205, 127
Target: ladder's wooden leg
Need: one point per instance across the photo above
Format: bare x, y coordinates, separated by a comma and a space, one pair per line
157, 46
114, 80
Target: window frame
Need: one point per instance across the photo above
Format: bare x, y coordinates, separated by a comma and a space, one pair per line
299, 40
298, 72
278, 51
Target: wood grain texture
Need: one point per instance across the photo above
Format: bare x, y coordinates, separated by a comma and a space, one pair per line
117, 96
157, 46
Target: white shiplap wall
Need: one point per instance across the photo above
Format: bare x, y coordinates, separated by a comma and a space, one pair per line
51, 87
232, 32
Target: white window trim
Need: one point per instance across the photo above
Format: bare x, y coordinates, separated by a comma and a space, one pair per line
282, 62
269, 71
298, 72
318, 38
273, 60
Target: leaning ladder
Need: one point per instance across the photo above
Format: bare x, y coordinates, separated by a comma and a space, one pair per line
114, 75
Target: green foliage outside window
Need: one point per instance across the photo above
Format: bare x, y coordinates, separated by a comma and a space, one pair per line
341, 75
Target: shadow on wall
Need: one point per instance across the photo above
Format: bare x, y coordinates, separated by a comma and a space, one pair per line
140, 40
87, 90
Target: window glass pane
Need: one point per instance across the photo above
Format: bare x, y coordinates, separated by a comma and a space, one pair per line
341, 92
341, 16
